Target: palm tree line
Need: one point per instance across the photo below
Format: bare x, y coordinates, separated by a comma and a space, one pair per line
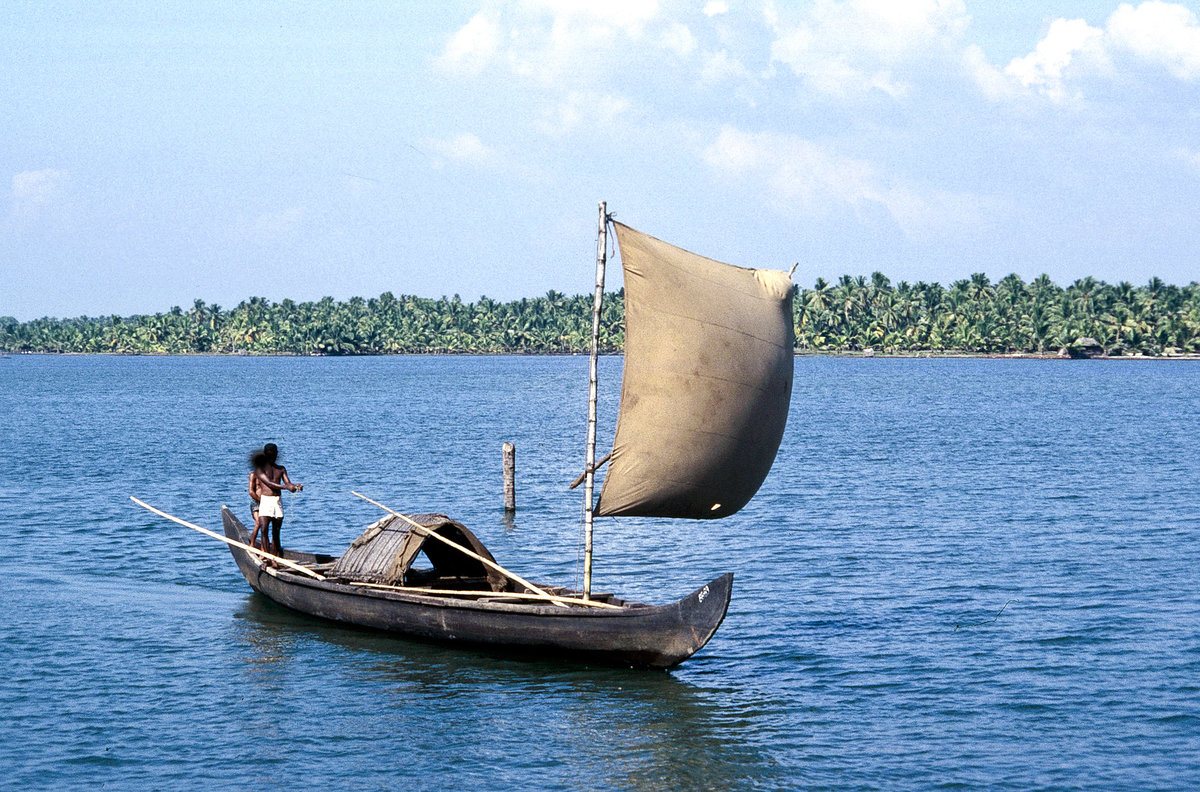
972, 316
384, 325
976, 316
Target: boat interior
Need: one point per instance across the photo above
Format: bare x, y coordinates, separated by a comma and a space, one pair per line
391, 555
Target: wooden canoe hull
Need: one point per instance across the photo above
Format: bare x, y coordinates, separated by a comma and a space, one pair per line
638, 635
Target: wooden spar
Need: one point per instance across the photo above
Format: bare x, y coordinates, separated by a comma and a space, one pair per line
579, 479
510, 473
589, 466
471, 553
227, 540
501, 594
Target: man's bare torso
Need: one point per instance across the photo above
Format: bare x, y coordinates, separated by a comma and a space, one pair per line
274, 474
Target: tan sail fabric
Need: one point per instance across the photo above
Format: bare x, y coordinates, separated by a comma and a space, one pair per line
707, 383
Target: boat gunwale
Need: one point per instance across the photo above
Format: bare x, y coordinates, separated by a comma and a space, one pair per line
448, 601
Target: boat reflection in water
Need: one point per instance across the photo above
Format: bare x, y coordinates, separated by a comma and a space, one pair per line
512, 722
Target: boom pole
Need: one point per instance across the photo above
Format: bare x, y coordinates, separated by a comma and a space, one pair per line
590, 460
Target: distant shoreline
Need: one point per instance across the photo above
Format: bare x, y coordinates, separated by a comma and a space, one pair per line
998, 355
856, 316
939, 354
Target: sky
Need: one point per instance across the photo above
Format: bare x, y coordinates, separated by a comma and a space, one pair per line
153, 154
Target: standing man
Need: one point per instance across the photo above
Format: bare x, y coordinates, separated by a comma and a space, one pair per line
272, 480
258, 465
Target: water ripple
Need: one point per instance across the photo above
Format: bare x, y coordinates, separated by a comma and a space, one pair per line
866, 648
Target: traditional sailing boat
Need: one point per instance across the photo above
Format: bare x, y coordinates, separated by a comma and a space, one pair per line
704, 401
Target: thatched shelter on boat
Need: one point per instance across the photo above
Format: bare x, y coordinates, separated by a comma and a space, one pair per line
386, 552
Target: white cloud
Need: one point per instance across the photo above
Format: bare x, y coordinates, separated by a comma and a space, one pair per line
1166, 34
548, 40
572, 59
857, 46
1190, 157
679, 40
470, 49
629, 15
807, 178
800, 174
993, 82
569, 53
464, 148
32, 190
600, 110
849, 47
719, 66
1044, 68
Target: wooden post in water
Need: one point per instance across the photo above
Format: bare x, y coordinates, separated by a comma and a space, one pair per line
589, 467
510, 474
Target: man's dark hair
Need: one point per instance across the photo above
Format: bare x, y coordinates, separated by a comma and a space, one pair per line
258, 460
272, 452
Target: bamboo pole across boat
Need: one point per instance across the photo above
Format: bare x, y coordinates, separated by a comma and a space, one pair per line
486, 562
499, 594
227, 540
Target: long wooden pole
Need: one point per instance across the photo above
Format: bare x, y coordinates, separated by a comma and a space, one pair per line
465, 551
589, 467
227, 540
503, 594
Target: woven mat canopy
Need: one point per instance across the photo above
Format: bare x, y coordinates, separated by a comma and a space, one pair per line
385, 552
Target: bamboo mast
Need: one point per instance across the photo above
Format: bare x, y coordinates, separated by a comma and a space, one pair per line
590, 460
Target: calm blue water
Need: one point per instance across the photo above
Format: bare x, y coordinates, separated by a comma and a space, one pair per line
912, 499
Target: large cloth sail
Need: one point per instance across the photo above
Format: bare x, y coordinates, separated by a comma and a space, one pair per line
707, 383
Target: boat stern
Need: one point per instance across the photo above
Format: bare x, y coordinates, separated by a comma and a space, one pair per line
701, 613
686, 625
